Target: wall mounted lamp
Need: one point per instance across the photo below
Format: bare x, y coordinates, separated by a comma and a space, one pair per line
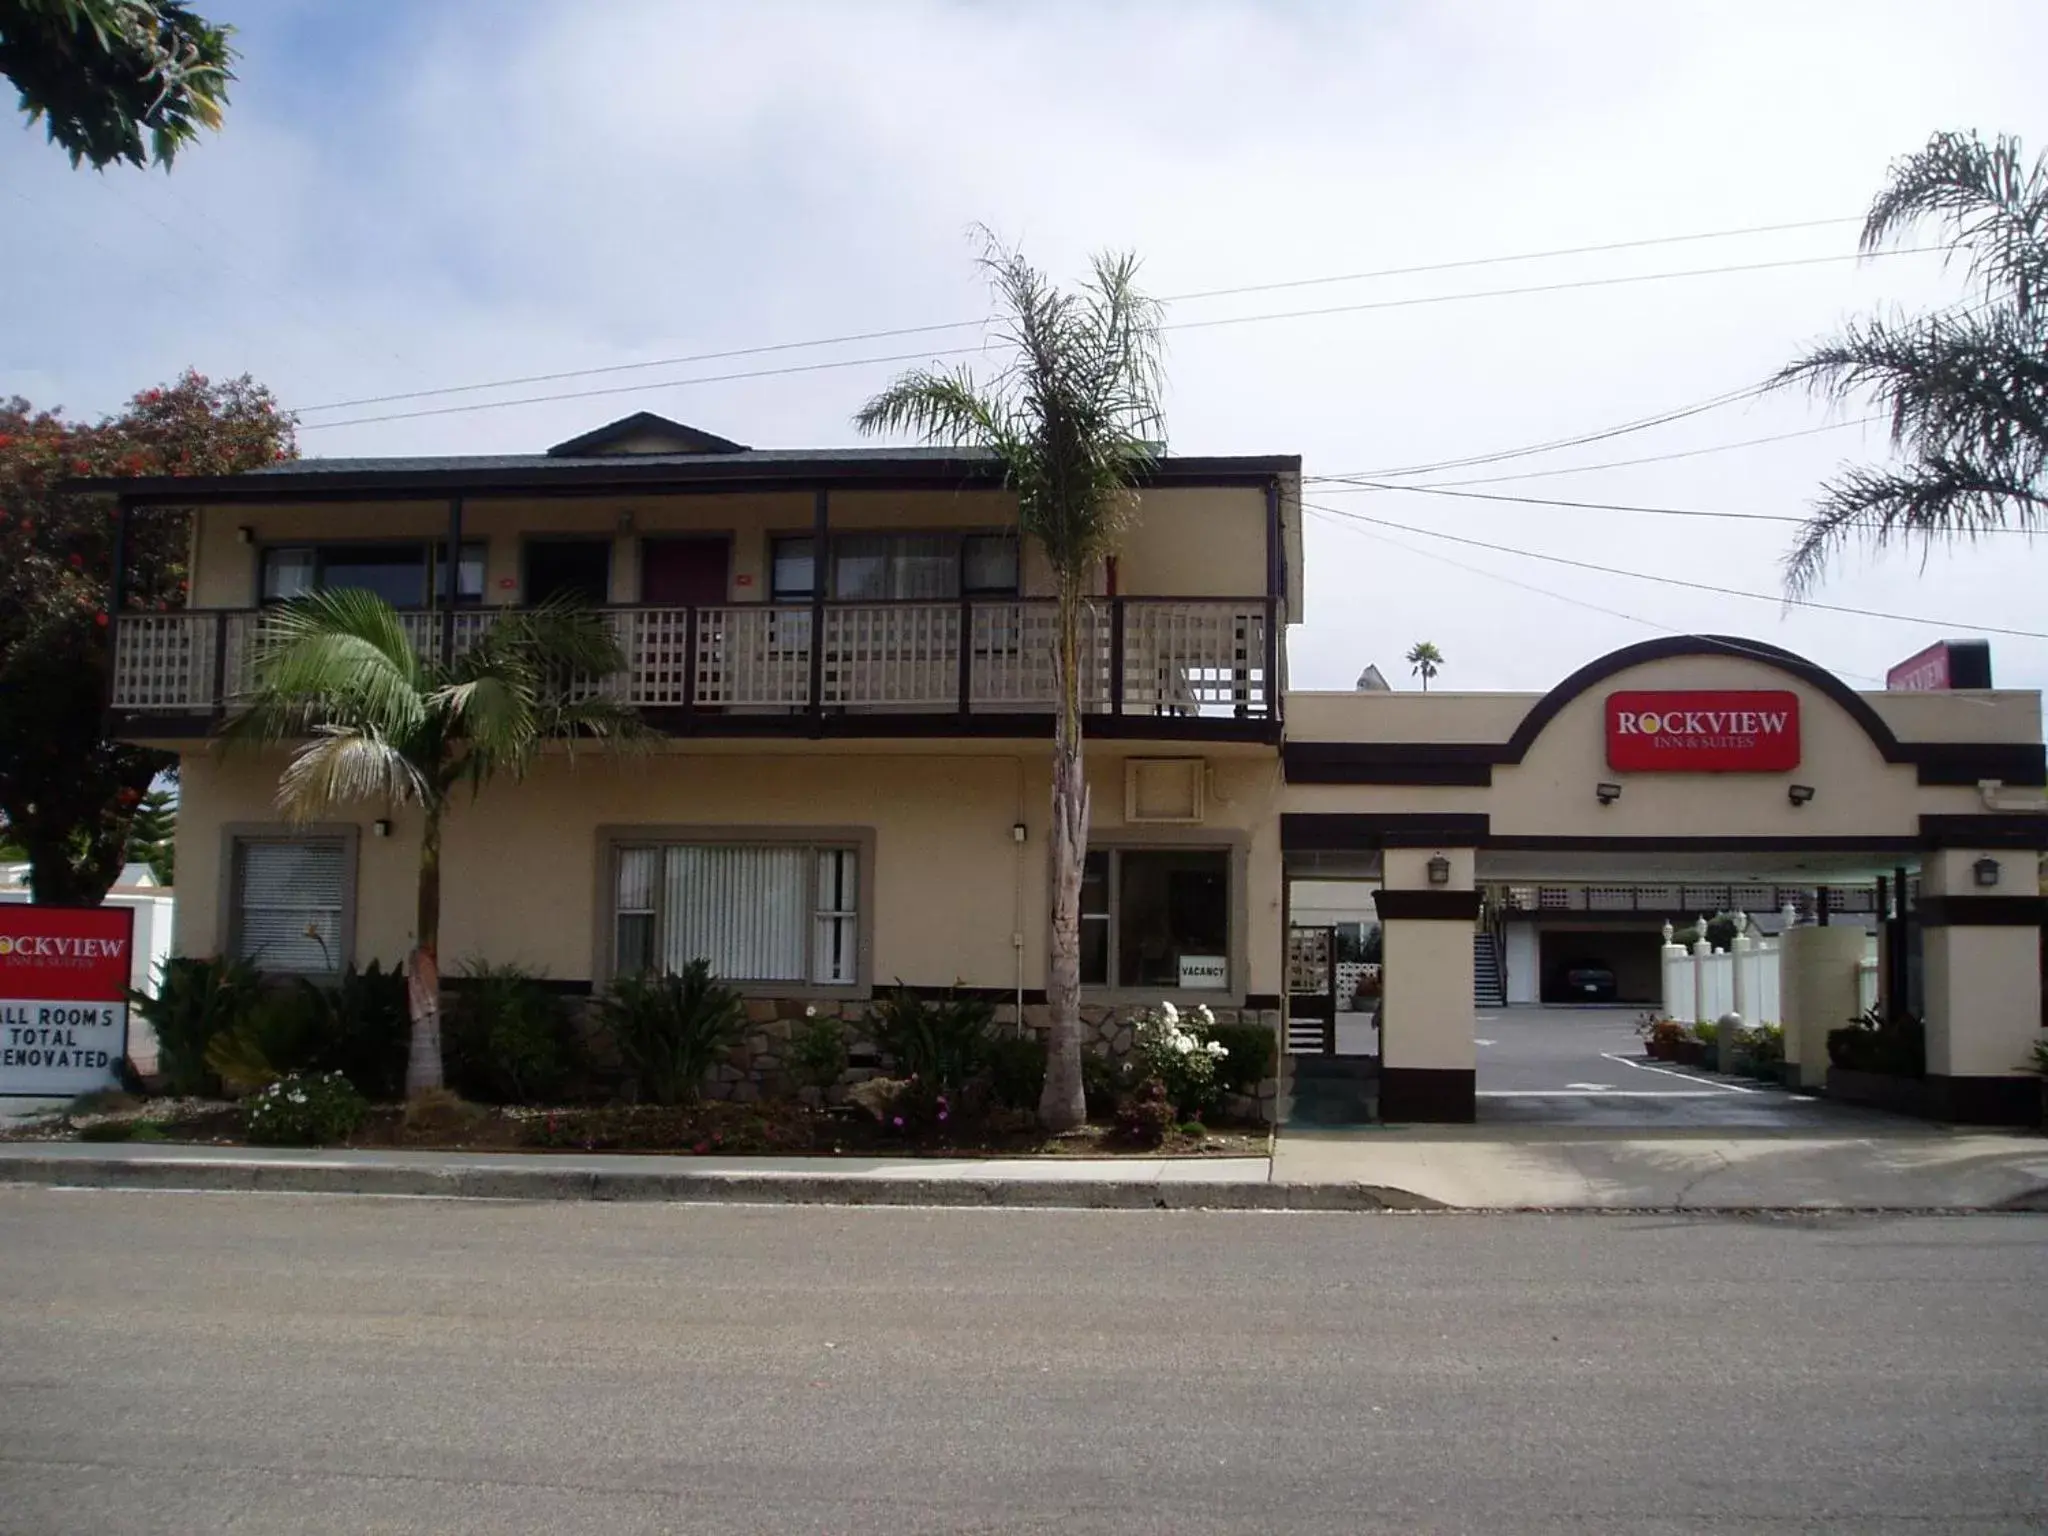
1608, 793
626, 520
1017, 832
245, 534
1986, 871
1439, 870
381, 827
1799, 794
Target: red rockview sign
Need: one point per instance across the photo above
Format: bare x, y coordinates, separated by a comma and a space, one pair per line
1703, 732
63, 997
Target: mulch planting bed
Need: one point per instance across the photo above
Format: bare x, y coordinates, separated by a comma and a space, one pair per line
712, 1128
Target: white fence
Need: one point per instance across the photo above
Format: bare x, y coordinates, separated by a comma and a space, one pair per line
1703, 983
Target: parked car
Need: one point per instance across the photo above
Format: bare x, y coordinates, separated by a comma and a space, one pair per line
1588, 981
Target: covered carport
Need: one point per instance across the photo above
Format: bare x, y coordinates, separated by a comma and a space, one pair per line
1699, 758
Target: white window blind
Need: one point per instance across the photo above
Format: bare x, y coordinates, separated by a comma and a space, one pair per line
289, 901
775, 912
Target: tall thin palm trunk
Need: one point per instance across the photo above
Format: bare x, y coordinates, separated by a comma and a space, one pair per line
423, 967
1063, 1104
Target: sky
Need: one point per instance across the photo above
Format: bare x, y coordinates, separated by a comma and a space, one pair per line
414, 195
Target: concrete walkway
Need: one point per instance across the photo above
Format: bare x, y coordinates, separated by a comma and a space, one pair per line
1906, 1167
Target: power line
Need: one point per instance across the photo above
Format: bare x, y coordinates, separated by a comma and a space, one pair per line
1734, 646
1653, 458
1178, 325
1675, 581
959, 325
1529, 450
1605, 506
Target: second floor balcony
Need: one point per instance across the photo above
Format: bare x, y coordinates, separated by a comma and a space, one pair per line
1170, 668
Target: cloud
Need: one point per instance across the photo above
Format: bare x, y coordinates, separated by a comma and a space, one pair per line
409, 197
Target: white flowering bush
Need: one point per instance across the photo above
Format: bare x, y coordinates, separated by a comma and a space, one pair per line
1175, 1048
305, 1109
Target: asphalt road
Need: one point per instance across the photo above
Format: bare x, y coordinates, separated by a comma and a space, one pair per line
281, 1364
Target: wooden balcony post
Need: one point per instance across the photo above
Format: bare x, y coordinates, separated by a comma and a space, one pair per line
966, 656
117, 592
1276, 591
821, 566
689, 661
450, 585
219, 688
1116, 657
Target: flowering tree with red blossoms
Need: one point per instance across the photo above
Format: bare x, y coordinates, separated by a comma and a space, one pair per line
68, 793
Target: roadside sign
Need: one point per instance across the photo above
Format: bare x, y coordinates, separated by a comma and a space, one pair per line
1943, 665
63, 998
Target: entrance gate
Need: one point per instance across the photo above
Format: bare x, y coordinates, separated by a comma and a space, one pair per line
1312, 991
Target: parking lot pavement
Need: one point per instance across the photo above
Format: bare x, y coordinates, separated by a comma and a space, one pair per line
1585, 1067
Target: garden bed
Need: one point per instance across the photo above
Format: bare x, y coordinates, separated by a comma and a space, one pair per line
711, 1128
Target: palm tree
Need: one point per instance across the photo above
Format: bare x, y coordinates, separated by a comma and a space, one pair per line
374, 719
1075, 421
1966, 389
1425, 661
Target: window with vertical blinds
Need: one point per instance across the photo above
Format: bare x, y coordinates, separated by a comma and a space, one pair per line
758, 912
290, 899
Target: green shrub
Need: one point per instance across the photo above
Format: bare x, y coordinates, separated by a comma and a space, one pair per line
943, 1041
1016, 1070
509, 1040
1707, 1034
1102, 1083
817, 1052
355, 1025
1894, 1047
1147, 1115
305, 1109
671, 1030
195, 1001
1252, 1049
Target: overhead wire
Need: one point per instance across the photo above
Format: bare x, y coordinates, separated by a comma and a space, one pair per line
1675, 581
1176, 325
959, 325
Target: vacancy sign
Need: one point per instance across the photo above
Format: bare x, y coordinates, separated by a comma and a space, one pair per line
63, 998
1703, 732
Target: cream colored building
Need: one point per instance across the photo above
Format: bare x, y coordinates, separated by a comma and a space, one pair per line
846, 654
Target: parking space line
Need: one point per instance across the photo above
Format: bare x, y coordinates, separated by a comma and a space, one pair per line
1684, 1077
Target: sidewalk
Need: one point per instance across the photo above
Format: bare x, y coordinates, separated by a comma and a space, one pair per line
1907, 1168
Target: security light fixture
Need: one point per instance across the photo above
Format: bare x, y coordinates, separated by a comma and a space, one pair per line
1986, 871
1799, 794
1608, 793
1439, 870
381, 827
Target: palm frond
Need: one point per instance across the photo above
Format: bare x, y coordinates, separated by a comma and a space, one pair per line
1936, 500
944, 407
342, 764
342, 654
1991, 201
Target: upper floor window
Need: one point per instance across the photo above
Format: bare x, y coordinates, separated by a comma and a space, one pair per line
402, 574
874, 567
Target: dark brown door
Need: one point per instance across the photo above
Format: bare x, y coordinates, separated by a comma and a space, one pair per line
569, 568
684, 573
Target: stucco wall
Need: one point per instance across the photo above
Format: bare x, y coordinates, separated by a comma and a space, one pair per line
950, 884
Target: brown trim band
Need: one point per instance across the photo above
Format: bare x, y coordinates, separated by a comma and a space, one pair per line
1427, 906
1351, 832
1999, 829
1981, 911
1429, 1095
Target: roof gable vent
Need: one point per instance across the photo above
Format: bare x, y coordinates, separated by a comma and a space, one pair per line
643, 432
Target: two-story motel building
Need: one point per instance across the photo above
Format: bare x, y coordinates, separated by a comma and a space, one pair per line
847, 656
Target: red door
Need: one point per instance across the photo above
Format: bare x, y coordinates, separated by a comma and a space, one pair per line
684, 573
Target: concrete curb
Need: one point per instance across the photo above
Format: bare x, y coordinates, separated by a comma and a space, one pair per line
515, 1183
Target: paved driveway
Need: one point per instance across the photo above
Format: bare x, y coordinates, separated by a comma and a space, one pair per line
1585, 1067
